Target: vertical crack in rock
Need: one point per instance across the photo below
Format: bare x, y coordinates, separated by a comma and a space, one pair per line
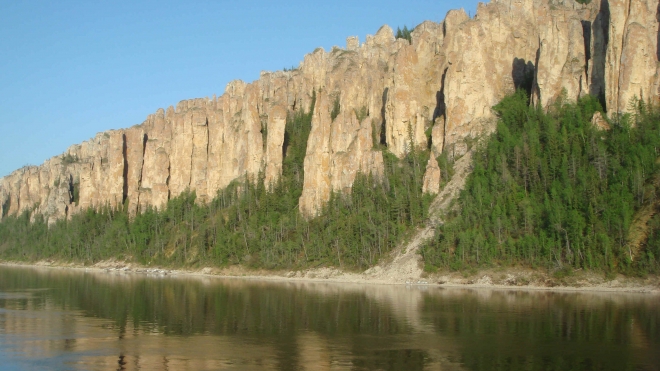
441, 106
657, 45
192, 151
18, 201
285, 145
621, 60
599, 45
208, 141
145, 139
535, 89
207, 168
580, 87
383, 124
586, 33
440, 118
167, 182
125, 171
71, 189
6, 205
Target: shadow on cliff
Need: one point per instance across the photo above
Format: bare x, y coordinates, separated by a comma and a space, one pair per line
598, 52
125, 172
5, 207
523, 74
440, 106
382, 138
657, 45
586, 35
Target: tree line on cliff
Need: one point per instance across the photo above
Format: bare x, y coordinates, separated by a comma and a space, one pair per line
549, 189
247, 223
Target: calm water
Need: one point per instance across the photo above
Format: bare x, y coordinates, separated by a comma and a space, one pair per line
63, 320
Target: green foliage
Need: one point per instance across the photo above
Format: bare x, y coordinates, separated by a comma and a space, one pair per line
336, 108
551, 190
247, 222
446, 165
583, 1
404, 34
361, 114
75, 192
68, 159
5, 207
375, 133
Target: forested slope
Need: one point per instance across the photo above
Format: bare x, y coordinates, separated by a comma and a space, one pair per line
551, 189
246, 223
548, 189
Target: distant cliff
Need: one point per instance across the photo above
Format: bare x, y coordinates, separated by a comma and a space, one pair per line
385, 91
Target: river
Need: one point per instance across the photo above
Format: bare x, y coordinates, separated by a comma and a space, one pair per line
58, 319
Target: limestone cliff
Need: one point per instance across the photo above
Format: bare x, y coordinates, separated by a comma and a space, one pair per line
389, 92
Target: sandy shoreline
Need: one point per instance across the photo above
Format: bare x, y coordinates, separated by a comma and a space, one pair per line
495, 279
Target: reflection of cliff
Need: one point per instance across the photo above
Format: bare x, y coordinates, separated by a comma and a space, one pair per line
388, 91
180, 306
104, 321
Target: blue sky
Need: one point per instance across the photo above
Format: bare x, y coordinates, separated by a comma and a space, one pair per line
70, 69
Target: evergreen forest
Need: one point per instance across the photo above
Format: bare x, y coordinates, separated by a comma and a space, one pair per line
548, 189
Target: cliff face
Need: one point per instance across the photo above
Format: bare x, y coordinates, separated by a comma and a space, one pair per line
389, 91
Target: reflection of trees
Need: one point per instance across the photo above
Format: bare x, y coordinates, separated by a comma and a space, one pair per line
547, 330
291, 325
285, 323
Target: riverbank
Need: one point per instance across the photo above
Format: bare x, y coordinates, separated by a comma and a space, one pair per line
494, 278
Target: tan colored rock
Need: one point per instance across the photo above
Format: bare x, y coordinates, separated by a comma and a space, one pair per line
98, 170
4, 198
438, 136
599, 122
135, 142
352, 43
336, 151
181, 149
432, 177
154, 189
316, 187
483, 55
412, 100
340, 148
391, 92
405, 126
275, 140
632, 53
562, 59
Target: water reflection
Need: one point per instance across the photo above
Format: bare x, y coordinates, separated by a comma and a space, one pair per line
512, 330
57, 319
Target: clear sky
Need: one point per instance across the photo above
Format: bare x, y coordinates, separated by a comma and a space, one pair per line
70, 69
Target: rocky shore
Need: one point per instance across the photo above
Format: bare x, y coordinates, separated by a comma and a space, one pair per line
494, 278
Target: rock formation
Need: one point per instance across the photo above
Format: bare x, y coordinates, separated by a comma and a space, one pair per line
598, 121
432, 177
390, 92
